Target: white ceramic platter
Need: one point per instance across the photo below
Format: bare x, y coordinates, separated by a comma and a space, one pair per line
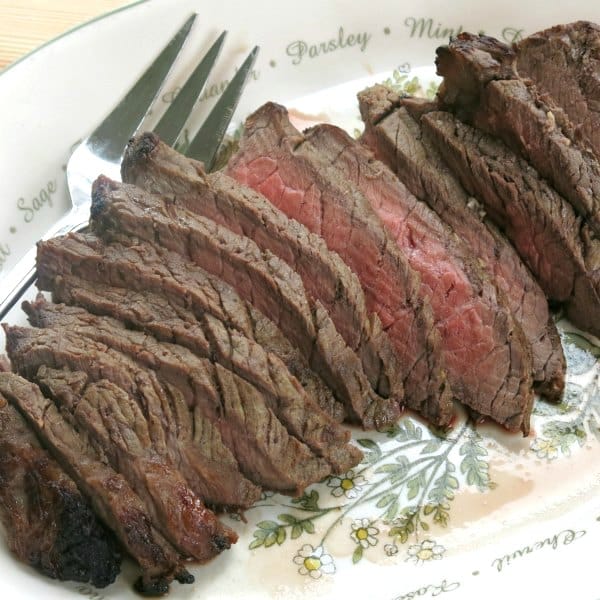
479, 514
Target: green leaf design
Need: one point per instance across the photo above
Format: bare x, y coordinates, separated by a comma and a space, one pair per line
296, 531
308, 526
385, 500
357, 554
373, 451
475, 469
308, 501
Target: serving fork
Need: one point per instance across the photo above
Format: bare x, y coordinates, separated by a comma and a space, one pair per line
102, 150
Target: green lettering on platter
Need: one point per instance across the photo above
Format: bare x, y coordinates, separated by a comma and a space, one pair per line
430, 590
511, 35
563, 538
4, 254
298, 50
30, 208
211, 91
421, 27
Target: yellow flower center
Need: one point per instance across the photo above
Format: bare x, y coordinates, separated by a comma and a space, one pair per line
425, 554
362, 533
347, 484
312, 563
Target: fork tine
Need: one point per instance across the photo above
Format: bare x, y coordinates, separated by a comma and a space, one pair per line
171, 123
207, 140
111, 136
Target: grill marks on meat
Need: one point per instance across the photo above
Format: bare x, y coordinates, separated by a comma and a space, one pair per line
558, 247
397, 139
260, 277
157, 168
276, 160
564, 62
111, 496
266, 454
301, 416
189, 290
482, 87
49, 524
488, 361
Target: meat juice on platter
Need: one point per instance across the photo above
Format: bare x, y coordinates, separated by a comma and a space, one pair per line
211, 335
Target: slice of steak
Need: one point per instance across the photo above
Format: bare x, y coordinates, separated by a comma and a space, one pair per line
560, 250
265, 452
564, 62
116, 425
485, 351
260, 277
299, 414
49, 525
158, 168
397, 139
214, 473
482, 87
189, 290
276, 160
110, 495
207, 336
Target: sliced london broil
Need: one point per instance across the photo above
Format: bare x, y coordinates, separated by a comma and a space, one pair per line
49, 525
258, 276
297, 412
564, 62
275, 159
157, 168
560, 250
396, 138
485, 352
266, 454
187, 440
482, 87
186, 288
109, 493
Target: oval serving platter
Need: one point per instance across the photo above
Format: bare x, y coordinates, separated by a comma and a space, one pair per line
477, 513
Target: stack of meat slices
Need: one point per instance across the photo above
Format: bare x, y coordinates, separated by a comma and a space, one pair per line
210, 334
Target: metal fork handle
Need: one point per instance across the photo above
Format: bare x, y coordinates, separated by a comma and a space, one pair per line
24, 273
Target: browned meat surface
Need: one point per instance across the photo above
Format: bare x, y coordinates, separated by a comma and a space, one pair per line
116, 425
398, 140
558, 247
259, 277
564, 62
482, 87
157, 168
113, 500
485, 351
187, 289
277, 161
49, 525
266, 454
301, 416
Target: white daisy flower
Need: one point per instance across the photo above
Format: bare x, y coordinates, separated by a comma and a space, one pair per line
364, 533
425, 551
349, 485
314, 561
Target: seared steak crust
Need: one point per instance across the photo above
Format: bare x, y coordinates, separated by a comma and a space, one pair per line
109, 493
558, 247
488, 360
276, 160
564, 62
398, 140
482, 87
48, 523
260, 277
301, 416
157, 168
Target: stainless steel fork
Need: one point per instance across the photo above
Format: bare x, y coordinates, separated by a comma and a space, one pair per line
102, 150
